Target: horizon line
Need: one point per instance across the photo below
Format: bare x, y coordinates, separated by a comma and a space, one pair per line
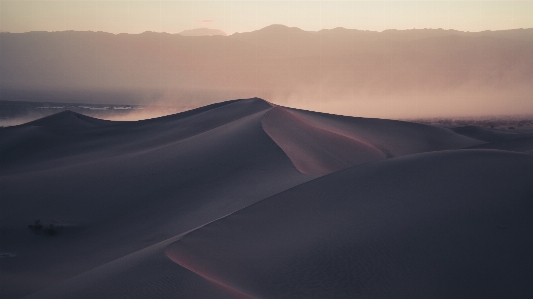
281, 25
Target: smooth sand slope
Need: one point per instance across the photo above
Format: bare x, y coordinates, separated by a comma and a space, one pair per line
452, 224
320, 143
487, 135
117, 191
314, 150
127, 192
496, 139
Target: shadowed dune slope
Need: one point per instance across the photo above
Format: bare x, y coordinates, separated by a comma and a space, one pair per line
67, 119
118, 188
485, 134
519, 144
121, 193
508, 141
147, 273
450, 224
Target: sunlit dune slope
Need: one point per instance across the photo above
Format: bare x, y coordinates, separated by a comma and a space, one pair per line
319, 143
394, 138
147, 273
451, 224
313, 149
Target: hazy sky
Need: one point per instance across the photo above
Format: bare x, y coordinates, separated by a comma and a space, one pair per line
241, 16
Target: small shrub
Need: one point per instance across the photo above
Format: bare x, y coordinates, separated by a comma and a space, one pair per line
36, 226
51, 229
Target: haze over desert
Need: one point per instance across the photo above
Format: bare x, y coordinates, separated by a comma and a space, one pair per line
266, 149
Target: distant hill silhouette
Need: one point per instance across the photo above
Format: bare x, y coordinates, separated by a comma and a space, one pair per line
202, 32
424, 71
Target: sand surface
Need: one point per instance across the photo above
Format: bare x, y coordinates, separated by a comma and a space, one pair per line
245, 199
452, 224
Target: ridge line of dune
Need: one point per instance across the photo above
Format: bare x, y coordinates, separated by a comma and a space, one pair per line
346, 169
163, 243
200, 113
211, 235
180, 236
233, 290
332, 132
140, 121
137, 152
315, 144
79, 116
203, 132
336, 133
226, 103
391, 160
314, 165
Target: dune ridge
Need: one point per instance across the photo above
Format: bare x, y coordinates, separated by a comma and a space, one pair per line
249, 199
68, 119
394, 138
129, 189
314, 150
57, 143
319, 143
519, 144
508, 141
485, 134
342, 236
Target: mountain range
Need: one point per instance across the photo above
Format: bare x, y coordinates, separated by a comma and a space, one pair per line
391, 74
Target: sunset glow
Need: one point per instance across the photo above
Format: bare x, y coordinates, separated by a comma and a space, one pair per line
244, 16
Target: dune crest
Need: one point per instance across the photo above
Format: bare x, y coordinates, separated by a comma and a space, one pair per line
245, 199
319, 143
447, 224
68, 119
312, 149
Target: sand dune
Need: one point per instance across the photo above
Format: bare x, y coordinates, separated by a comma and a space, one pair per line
486, 134
245, 199
394, 138
69, 120
522, 144
439, 225
315, 150
119, 194
320, 143
60, 137
501, 140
